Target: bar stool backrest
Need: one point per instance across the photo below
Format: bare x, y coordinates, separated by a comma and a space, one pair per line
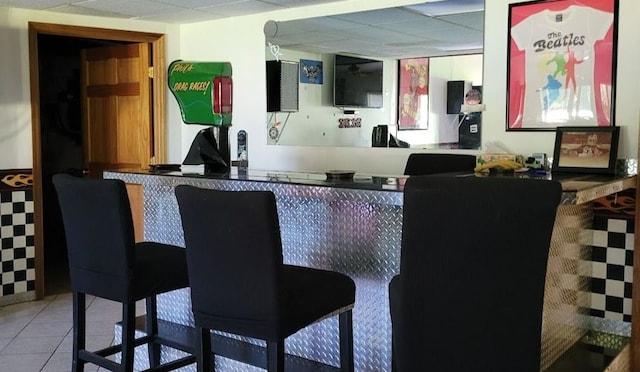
234, 254
100, 234
472, 273
429, 163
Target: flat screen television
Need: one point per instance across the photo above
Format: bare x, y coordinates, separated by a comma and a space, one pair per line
357, 82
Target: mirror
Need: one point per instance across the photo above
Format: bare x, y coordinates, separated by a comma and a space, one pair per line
447, 34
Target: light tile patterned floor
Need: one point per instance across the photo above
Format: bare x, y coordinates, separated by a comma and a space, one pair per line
36, 336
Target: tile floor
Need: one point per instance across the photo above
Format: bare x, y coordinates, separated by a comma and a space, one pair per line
36, 336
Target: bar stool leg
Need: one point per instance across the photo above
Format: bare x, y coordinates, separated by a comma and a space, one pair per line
275, 356
393, 357
128, 335
346, 341
79, 329
203, 350
151, 327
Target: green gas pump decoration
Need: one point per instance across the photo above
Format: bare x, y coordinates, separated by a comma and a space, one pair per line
203, 91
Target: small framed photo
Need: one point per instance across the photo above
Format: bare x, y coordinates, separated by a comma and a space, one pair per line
586, 149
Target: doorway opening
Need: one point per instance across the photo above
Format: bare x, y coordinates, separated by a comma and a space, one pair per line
61, 144
57, 146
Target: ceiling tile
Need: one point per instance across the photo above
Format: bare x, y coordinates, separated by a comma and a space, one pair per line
424, 28
400, 31
133, 8
33, 4
296, 3
238, 8
193, 4
462, 37
473, 20
294, 27
437, 8
344, 45
326, 23
80, 10
381, 16
182, 16
311, 37
377, 34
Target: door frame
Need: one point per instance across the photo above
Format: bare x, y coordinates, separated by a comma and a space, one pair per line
157, 44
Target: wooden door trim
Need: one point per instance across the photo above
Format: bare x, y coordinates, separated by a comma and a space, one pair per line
635, 289
157, 43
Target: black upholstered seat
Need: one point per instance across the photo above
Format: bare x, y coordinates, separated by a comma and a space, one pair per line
105, 261
430, 163
470, 292
239, 283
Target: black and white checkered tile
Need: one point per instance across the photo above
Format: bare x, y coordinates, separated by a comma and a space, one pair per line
17, 250
612, 268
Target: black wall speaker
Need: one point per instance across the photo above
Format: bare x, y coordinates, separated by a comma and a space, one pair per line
282, 86
456, 89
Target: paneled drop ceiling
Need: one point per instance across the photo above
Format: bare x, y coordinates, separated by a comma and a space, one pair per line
170, 11
441, 27
431, 29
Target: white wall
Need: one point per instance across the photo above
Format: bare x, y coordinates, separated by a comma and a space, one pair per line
240, 41
243, 44
627, 109
15, 95
245, 51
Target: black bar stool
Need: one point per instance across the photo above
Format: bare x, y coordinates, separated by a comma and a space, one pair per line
105, 261
470, 292
239, 283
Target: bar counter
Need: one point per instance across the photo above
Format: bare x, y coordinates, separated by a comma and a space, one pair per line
354, 226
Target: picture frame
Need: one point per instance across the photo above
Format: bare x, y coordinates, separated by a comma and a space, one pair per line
586, 150
561, 64
311, 71
413, 94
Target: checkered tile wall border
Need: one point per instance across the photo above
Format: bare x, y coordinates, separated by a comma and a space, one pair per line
612, 267
17, 250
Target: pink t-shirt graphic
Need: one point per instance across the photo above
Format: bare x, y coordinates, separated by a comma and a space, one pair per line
560, 68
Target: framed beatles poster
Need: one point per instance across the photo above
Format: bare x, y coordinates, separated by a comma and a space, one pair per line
561, 64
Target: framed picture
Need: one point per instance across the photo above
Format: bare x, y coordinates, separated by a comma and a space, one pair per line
413, 93
310, 71
561, 64
586, 149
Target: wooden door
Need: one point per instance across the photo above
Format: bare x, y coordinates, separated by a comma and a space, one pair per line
117, 109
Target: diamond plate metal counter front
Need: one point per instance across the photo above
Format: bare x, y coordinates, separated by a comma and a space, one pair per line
358, 232
567, 288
